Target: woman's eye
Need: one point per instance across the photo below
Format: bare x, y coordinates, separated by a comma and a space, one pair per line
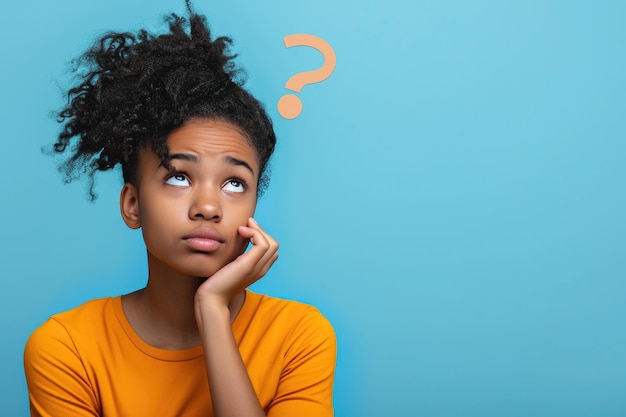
234, 186
178, 180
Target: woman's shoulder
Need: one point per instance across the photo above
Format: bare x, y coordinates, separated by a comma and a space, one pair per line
84, 321
261, 304
289, 317
86, 313
300, 341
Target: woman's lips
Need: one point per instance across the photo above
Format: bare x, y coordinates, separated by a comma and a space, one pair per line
203, 244
204, 239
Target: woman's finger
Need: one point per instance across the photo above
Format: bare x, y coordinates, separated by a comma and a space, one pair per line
264, 245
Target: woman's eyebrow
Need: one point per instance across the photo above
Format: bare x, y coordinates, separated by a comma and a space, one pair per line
181, 156
231, 160
184, 156
239, 162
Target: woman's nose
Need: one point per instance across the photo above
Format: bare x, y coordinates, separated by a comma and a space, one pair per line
205, 205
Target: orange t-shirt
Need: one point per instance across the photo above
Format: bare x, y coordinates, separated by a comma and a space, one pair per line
88, 361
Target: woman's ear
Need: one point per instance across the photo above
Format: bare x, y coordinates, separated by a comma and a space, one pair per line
129, 206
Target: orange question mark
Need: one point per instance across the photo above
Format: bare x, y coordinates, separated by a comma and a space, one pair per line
289, 105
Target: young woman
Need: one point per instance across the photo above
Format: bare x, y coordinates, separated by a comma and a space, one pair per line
193, 146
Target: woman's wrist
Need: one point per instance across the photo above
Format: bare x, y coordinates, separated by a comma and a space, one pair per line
211, 309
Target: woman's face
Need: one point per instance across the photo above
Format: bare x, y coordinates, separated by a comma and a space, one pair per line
190, 214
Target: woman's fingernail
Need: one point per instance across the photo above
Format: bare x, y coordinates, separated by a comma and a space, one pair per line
253, 221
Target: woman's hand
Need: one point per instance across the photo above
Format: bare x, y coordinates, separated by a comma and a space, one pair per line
245, 270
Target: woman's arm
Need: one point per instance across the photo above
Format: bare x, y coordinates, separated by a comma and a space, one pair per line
305, 388
56, 378
232, 392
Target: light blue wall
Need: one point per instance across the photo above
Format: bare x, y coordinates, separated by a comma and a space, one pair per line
452, 197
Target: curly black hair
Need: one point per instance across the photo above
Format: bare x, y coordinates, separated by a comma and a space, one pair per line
136, 88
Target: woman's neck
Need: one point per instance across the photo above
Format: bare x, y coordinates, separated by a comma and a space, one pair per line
162, 314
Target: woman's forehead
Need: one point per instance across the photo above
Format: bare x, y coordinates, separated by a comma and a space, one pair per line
210, 137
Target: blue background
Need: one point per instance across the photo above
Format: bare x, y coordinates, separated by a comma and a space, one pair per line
452, 197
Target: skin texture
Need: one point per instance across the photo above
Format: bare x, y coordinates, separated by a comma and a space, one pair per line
196, 220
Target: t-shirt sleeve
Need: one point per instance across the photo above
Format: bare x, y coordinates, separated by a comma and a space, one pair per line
57, 381
306, 383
